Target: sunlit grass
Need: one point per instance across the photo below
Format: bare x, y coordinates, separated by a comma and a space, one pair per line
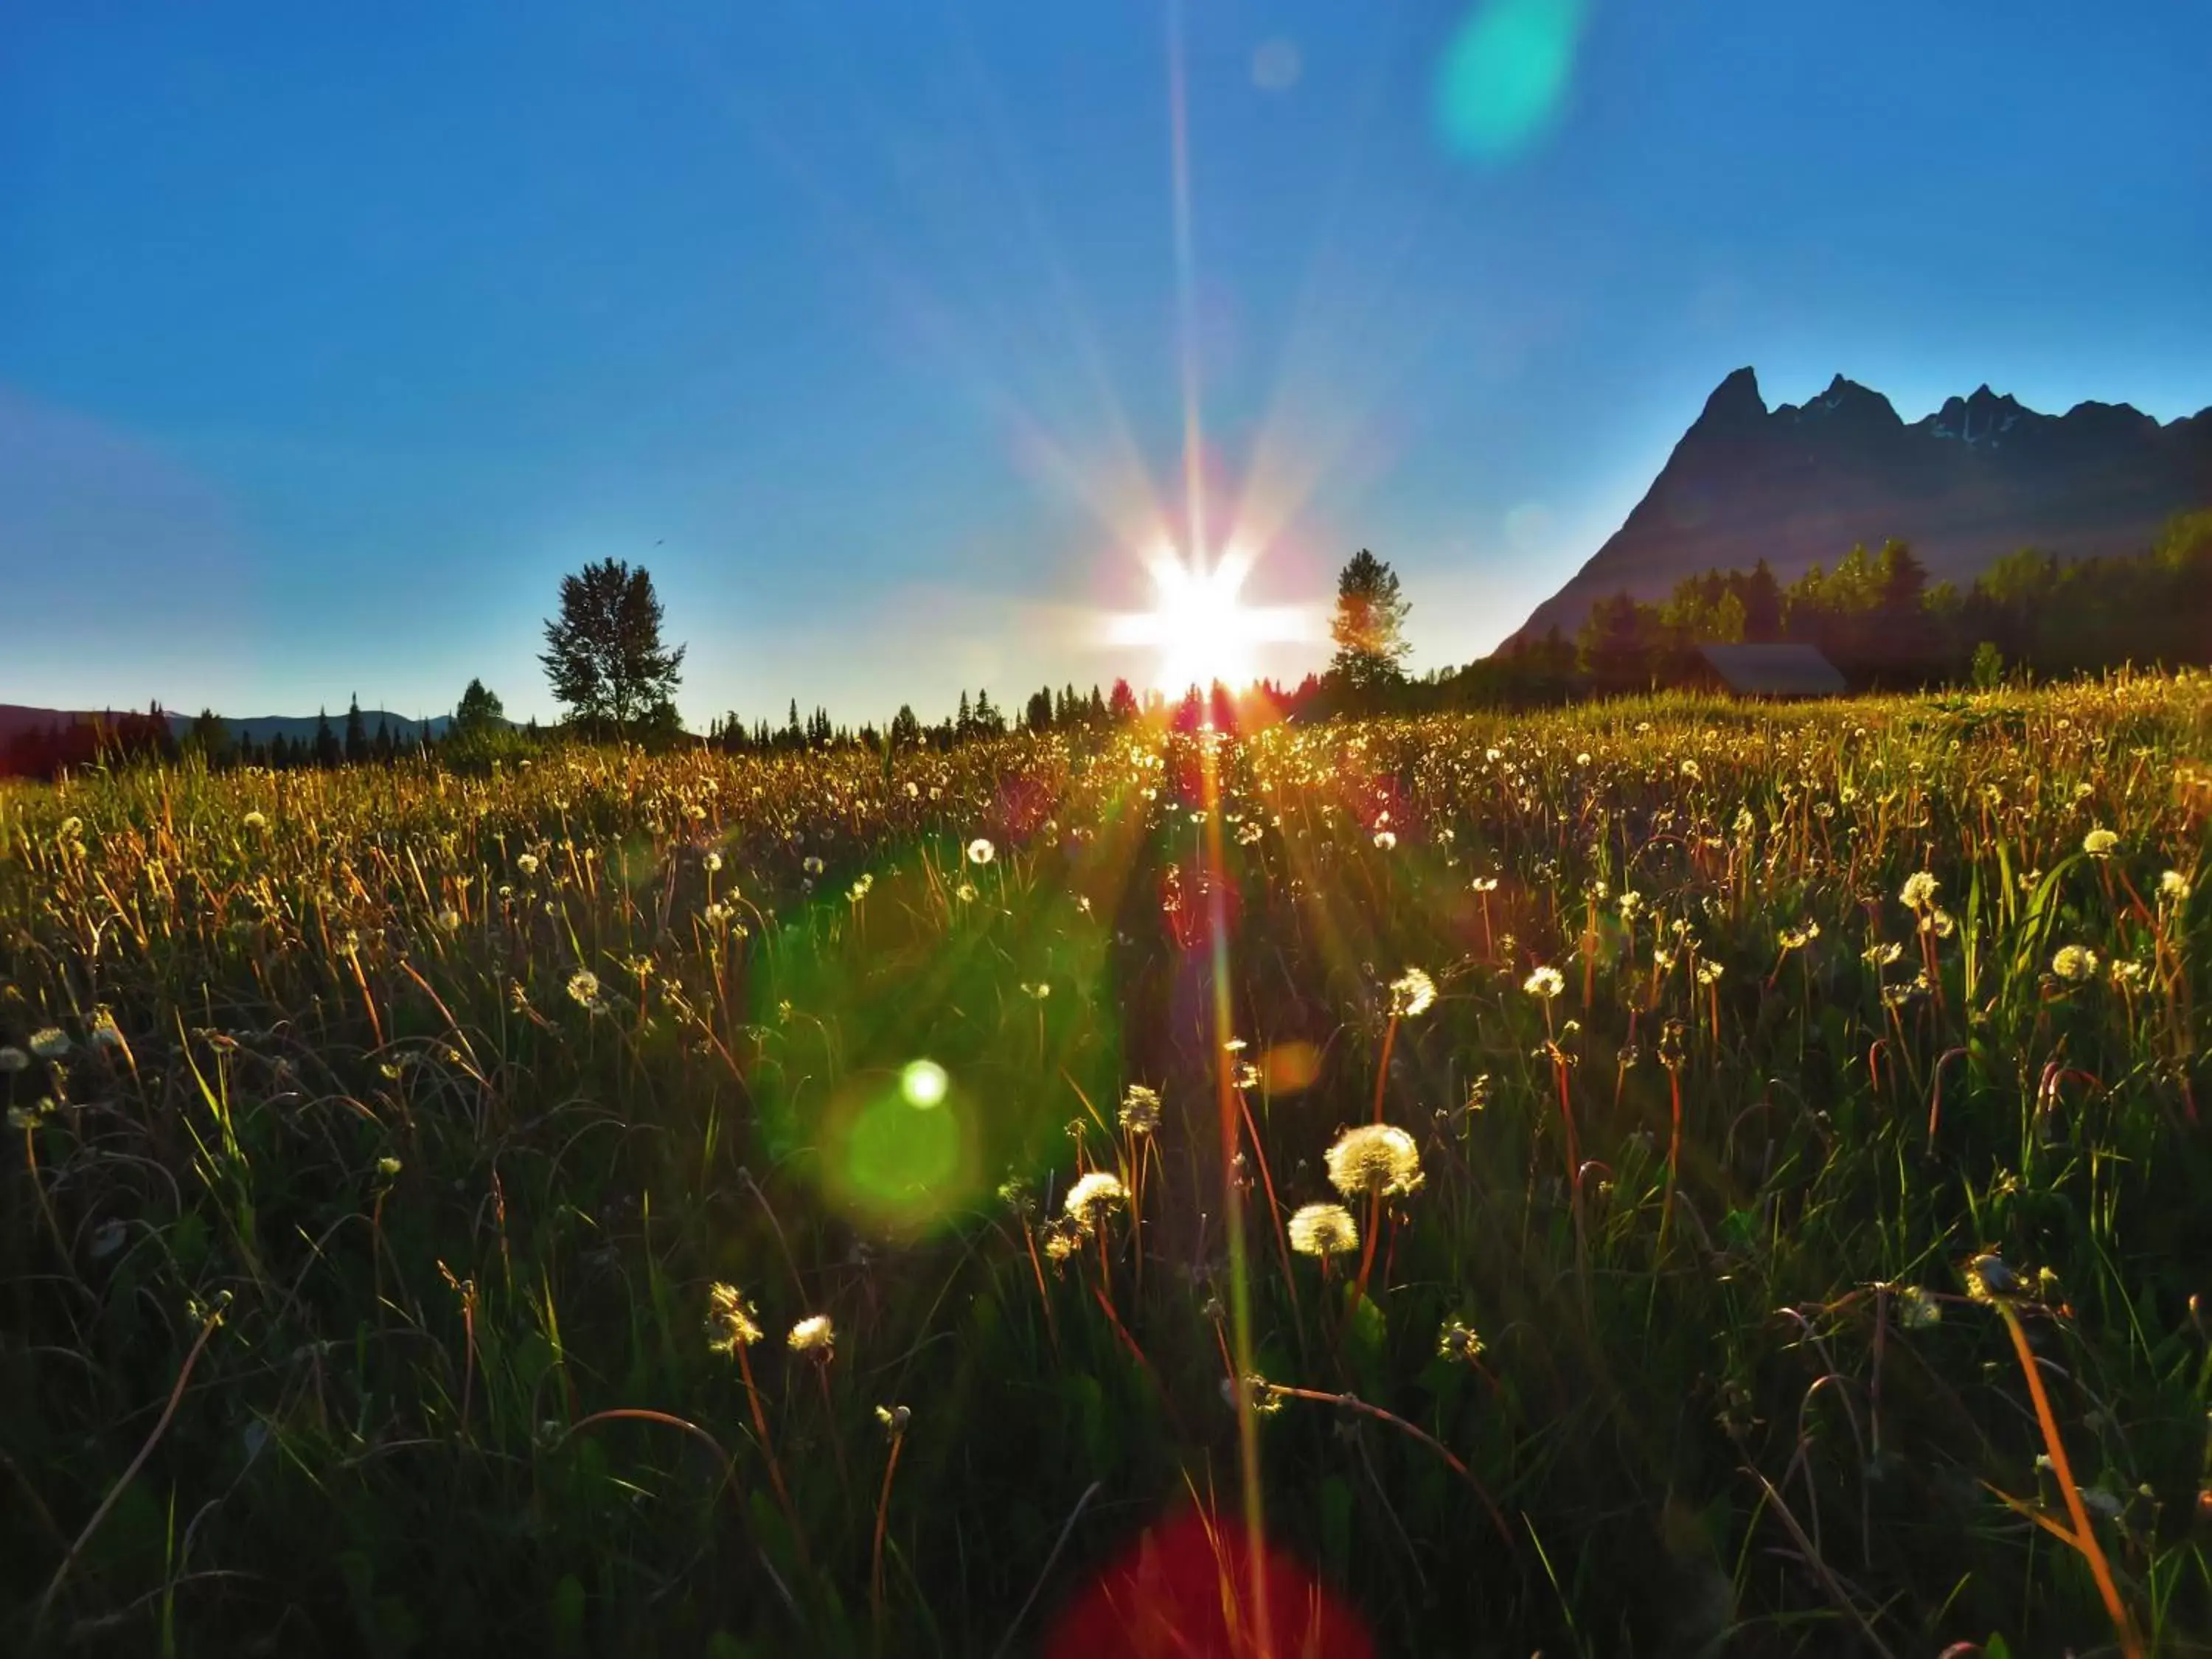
425, 1188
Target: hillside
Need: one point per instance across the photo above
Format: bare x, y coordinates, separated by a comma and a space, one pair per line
16, 719
1981, 477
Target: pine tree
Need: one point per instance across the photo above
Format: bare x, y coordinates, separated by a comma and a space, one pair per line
356, 734
1369, 626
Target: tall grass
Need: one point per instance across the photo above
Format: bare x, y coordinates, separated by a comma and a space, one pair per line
389, 1149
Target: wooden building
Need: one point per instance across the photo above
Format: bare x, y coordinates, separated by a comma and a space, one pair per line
1767, 671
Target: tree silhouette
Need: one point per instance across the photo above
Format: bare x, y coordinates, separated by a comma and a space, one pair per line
210, 738
327, 752
356, 734
478, 709
603, 655
1369, 626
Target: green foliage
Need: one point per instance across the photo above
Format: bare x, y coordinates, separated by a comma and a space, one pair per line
1369, 626
1987, 671
1881, 621
479, 709
603, 651
442, 1101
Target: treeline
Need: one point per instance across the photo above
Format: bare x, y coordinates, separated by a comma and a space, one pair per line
49, 751
1884, 625
123, 739
1046, 710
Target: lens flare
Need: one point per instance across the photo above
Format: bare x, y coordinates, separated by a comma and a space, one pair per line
924, 1083
900, 1164
1503, 80
1200, 626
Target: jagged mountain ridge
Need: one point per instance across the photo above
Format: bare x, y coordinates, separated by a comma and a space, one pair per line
1800, 484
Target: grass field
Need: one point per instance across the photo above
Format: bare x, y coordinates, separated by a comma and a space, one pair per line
415, 1185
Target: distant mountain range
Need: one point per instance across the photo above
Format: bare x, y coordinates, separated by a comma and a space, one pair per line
1981, 477
15, 718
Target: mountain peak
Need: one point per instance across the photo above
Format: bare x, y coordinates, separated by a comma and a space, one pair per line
1861, 404
1979, 479
1735, 401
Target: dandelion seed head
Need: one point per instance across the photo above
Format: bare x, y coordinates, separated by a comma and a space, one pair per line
1458, 1341
730, 1321
814, 1335
980, 851
2173, 885
1323, 1229
1141, 1109
1254, 1392
1545, 982
50, 1042
1093, 1198
1919, 891
1413, 993
2074, 963
584, 988
1917, 1308
2099, 843
1371, 1160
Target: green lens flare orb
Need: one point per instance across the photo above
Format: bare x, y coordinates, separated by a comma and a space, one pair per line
1505, 75
924, 1083
901, 1158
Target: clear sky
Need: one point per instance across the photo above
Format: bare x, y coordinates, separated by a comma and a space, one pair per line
330, 336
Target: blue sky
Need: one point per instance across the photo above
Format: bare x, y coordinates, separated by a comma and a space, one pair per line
330, 336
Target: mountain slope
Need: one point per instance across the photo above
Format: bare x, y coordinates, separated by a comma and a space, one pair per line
1981, 477
15, 718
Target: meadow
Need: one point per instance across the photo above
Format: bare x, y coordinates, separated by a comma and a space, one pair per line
1657, 1177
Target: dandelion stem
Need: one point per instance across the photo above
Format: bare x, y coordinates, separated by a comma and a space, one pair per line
768, 1450
883, 1518
1382, 1066
168, 1411
2085, 1539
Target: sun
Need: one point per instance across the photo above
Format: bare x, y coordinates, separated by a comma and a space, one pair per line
1199, 623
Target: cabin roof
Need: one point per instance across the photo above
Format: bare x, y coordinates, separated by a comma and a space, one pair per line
1774, 670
